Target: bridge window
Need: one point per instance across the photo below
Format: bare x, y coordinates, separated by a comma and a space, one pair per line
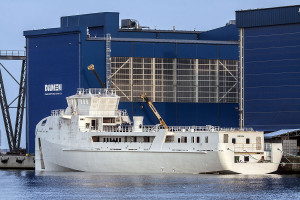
108, 120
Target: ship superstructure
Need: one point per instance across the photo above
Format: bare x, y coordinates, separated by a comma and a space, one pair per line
93, 135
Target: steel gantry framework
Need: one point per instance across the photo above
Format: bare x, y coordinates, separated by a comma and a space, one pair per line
13, 137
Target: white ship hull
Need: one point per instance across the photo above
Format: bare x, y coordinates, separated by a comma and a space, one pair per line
57, 157
63, 158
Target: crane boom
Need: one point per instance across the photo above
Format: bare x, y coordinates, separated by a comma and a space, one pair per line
91, 67
160, 119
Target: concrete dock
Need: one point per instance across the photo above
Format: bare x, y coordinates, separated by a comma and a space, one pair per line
16, 162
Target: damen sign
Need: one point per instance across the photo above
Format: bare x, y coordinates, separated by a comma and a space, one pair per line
53, 89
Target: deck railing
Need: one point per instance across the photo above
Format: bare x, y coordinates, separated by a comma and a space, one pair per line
268, 146
59, 112
99, 91
156, 128
12, 53
247, 147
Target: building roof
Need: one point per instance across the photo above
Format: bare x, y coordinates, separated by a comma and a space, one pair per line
279, 133
99, 24
268, 16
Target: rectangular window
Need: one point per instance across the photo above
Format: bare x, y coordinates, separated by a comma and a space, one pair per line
96, 138
233, 141
206, 139
225, 138
184, 139
236, 159
108, 120
132, 139
193, 140
198, 139
247, 140
94, 125
258, 143
178, 140
169, 139
146, 139
246, 158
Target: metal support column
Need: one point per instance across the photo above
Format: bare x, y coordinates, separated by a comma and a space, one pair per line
153, 79
241, 74
196, 80
20, 108
174, 79
217, 79
108, 61
131, 79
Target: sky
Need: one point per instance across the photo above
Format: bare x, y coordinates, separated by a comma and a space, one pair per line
17, 16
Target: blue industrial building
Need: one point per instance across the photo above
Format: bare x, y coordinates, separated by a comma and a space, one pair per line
270, 60
191, 76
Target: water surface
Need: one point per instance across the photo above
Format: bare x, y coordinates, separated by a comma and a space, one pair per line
22, 184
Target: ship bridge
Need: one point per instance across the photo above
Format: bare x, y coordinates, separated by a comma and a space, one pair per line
94, 102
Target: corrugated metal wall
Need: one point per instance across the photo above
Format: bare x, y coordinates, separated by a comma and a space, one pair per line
272, 77
50, 60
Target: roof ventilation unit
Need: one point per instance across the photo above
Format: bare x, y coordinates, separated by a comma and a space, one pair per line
230, 22
131, 24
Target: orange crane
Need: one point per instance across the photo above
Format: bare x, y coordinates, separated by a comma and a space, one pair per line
91, 67
161, 121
